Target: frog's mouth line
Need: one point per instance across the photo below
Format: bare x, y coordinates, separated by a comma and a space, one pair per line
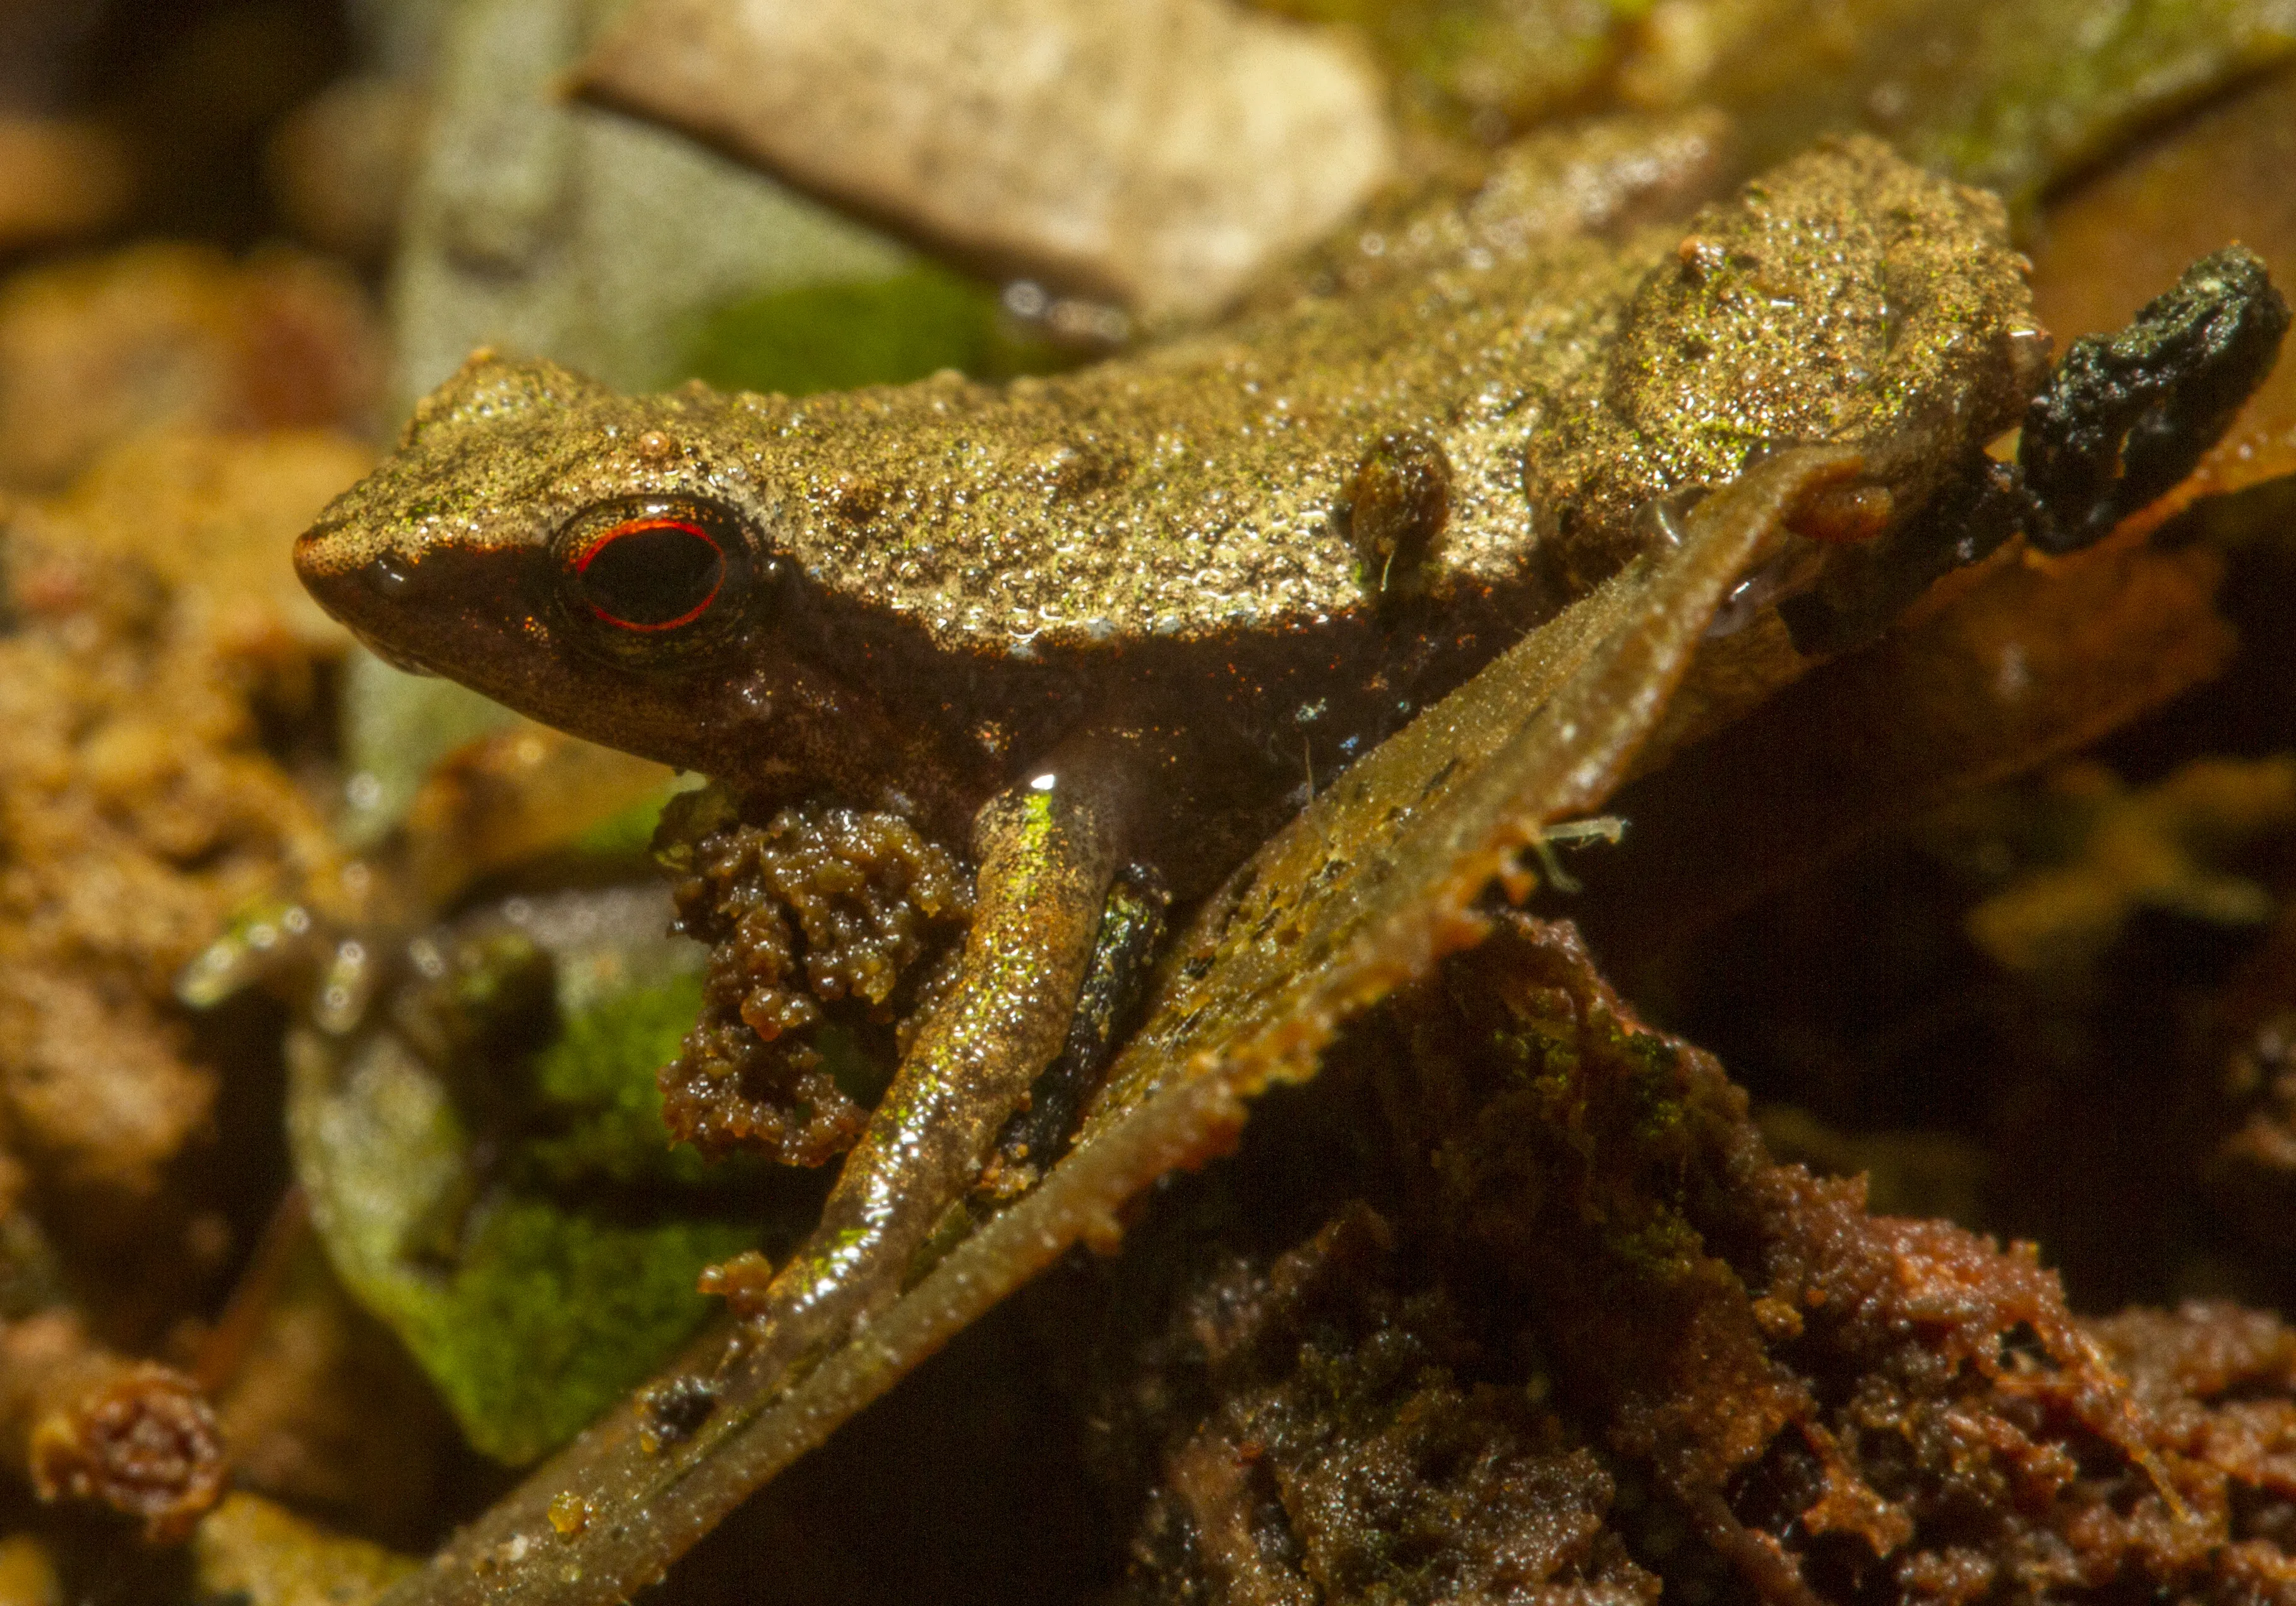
397, 658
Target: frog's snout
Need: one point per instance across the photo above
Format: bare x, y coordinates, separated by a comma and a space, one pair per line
367, 597
429, 608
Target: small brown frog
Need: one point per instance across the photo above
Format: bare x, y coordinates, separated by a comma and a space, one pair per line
1139, 612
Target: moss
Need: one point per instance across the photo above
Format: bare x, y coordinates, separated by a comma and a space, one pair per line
880, 331
506, 1200
552, 1314
598, 1076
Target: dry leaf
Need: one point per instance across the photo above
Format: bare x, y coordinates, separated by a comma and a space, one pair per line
1159, 154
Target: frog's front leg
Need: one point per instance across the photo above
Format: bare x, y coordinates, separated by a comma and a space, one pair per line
1048, 849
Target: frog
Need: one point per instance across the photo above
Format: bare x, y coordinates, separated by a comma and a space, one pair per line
1137, 613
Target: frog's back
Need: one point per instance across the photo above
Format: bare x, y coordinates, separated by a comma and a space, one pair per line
1191, 491
1175, 542
1203, 490
1205, 487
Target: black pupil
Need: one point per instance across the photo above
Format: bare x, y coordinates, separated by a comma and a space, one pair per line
652, 576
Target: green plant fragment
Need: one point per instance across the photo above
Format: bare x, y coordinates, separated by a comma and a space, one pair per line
515, 1212
554, 1314
876, 331
2016, 98
598, 1076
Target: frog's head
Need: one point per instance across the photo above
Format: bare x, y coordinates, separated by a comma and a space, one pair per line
592, 560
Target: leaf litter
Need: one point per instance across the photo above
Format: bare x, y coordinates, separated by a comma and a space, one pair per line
1363, 894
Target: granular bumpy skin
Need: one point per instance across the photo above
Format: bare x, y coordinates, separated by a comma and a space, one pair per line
1861, 264
2123, 419
819, 915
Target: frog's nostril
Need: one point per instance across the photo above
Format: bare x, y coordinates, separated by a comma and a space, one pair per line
393, 575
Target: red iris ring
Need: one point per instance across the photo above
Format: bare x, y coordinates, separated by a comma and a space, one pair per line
637, 527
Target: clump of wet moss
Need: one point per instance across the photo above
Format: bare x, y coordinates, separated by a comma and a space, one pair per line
821, 920
1349, 1433
1586, 1335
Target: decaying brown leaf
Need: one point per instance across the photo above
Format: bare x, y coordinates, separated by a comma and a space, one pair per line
2026, 659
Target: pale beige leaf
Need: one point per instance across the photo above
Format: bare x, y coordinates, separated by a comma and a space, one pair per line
1158, 152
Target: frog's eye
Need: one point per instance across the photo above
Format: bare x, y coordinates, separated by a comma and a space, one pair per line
653, 567
651, 574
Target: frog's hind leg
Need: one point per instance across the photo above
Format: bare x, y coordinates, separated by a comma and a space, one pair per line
1049, 850
1115, 987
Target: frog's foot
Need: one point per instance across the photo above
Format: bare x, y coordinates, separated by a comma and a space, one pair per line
1049, 850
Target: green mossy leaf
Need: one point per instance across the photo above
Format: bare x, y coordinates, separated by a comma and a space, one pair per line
2018, 98
836, 336
554, 1314
2061, 83
515, 1213
599, 1076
